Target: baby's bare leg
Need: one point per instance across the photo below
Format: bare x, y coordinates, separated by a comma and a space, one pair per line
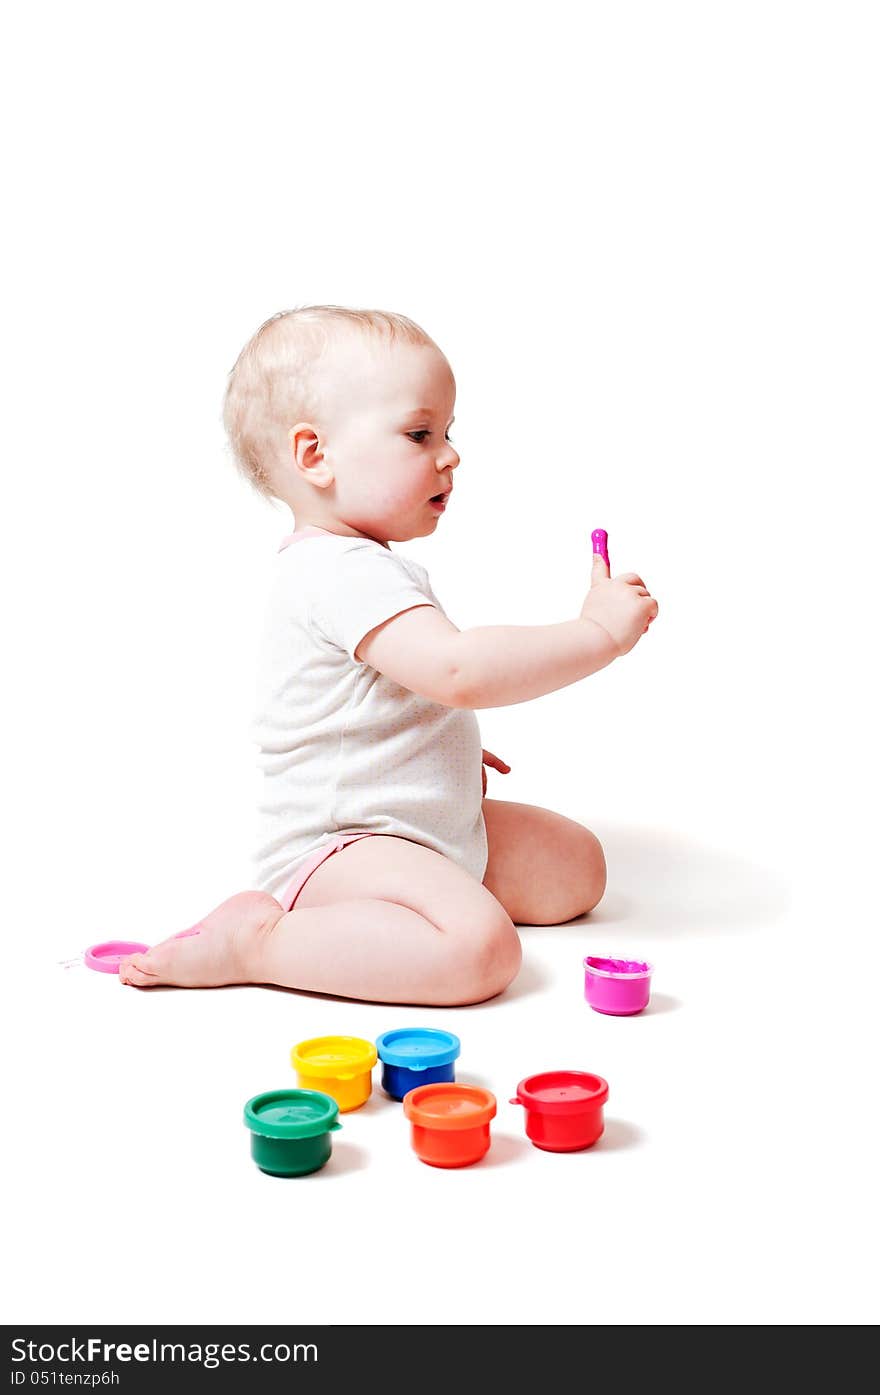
395, 922
384, 920
543, 868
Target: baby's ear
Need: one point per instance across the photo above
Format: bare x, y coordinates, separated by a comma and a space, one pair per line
307, 454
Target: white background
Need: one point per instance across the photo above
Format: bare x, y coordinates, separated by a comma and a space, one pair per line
646, 237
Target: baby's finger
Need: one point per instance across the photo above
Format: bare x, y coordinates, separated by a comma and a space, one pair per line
631, 578
601, 570
496, 762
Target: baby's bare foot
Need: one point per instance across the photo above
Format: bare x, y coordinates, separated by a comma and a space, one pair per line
221, 949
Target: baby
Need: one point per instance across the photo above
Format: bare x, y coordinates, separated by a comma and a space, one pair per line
384, 872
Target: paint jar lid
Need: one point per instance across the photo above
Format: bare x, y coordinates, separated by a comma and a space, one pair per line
291, 1114
341, 1058
562, 1092
418, 1048
107, 956
449, 1106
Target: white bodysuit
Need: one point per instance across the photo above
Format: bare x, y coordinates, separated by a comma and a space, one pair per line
342, 747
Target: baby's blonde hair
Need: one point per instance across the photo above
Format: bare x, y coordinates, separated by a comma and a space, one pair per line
273, 382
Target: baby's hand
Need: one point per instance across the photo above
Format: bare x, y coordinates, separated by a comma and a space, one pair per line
622, 605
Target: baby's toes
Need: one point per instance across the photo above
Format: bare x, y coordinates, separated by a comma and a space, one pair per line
136, 971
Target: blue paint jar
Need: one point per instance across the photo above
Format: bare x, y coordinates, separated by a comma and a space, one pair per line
413, 1056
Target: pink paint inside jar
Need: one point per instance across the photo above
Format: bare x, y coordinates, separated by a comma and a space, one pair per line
617, 966
617, 987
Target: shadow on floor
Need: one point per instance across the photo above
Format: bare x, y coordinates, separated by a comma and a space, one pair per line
530, 979
620, 1134
673, 884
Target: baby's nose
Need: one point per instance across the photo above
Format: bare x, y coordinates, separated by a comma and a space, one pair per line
448, 457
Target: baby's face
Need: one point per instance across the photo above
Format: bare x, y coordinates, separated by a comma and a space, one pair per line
387, 410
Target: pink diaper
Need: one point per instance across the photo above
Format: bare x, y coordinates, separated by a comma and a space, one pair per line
303, 873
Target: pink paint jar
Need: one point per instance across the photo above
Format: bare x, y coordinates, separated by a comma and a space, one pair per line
617, 987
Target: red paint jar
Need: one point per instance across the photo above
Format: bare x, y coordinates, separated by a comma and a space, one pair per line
564, 1109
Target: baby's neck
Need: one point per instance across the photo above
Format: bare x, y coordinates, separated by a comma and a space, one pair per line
339, 530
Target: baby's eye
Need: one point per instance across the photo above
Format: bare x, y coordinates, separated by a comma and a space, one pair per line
418, 436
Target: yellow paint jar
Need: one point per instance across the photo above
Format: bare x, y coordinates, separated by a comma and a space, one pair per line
340, 1067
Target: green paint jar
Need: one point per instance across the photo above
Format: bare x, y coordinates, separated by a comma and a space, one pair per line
290, 1131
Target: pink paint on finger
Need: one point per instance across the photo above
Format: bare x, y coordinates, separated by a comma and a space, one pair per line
600, 544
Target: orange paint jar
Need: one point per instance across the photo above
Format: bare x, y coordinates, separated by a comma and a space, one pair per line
450, 1123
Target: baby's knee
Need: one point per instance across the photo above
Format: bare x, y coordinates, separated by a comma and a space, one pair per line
594, 871
488, 956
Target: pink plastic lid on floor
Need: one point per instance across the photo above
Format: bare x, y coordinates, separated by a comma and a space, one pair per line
107, 956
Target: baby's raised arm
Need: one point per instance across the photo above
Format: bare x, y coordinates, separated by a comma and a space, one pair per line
497, 665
